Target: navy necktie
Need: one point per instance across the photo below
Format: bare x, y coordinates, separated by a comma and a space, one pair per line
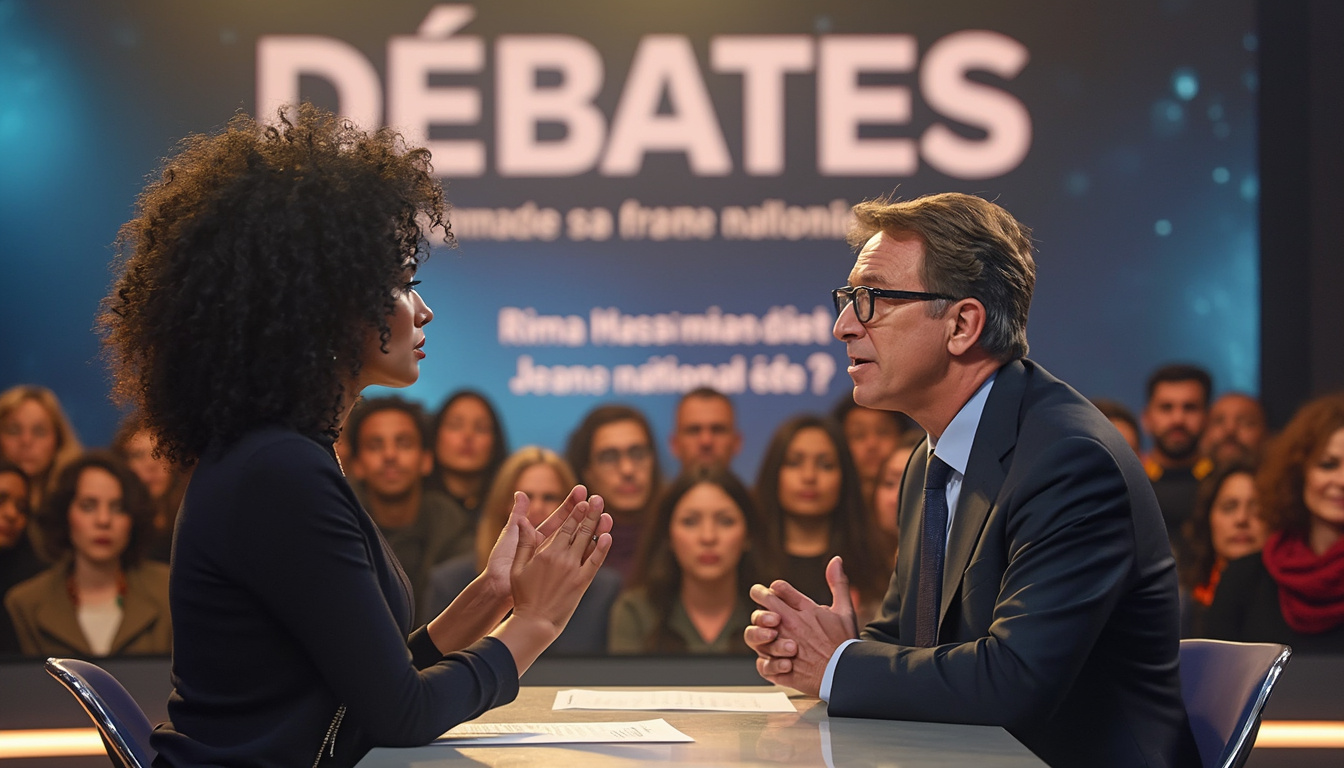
931, 547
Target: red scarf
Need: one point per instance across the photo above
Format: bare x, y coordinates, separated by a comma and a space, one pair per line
1311, 587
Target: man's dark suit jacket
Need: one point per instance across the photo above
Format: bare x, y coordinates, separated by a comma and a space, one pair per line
1060, 616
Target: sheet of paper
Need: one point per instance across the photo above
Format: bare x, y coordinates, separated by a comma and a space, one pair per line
501, 734
702, 701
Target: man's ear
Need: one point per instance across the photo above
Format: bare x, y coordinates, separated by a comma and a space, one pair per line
968, 322
357, 468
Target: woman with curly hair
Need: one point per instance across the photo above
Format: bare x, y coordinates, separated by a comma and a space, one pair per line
545, 478
469, 446
705, 547
267, 278
101, 598
1225, 526
1293, 591
36, 435
808, 488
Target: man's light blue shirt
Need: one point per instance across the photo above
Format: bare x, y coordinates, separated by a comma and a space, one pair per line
954, 448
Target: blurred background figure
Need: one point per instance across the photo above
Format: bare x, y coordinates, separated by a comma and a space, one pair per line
1176, 411
1123, 419
612, 450
546, 479
808, 489
1294, 591
704, 431
887, 495
390, 456
871, 436
134, 444
1226, 526
469, 446
705, 547
18, 561
36, 435
1236, 430
101, 598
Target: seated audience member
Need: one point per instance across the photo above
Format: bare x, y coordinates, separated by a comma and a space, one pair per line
134, 444
469, 446
872, 435
808, 490
18, 561
391, 458
547, 480
36, 435
101, 598
704, 432
1293, 591
613, 452
1123, 419
1236, 430
1175, 414
705, 547
887, 495
1226, 526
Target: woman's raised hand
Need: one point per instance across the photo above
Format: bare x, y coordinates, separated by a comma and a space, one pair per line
552, 566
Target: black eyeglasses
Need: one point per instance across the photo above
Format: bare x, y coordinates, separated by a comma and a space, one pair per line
862, 298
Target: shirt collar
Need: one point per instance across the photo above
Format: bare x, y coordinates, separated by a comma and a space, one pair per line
954, 447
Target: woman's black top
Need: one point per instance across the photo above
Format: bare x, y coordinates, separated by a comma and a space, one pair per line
289, 608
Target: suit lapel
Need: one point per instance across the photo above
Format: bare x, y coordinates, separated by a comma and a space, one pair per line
995, 437
138, 611
56, 617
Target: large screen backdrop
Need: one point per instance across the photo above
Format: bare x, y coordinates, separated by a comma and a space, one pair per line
652, 196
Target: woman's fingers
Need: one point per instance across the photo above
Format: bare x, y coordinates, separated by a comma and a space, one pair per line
563, 512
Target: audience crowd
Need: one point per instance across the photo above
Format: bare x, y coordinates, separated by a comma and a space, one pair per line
1255, 520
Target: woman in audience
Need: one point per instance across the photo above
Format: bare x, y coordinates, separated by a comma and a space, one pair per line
614, 454
100, 598
545, 478
267, 278
1225, 526
135, 445
808, 489
1293, 591
36, 435
18, 561
469, 446
887, 496
705, 546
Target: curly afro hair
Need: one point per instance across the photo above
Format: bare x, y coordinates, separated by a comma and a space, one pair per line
256, 269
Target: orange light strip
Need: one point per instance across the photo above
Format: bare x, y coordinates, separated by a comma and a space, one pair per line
1300, 734
79, 742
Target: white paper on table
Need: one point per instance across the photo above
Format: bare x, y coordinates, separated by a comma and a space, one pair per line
500, 734
703, 701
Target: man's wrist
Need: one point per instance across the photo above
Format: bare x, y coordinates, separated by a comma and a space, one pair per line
828, 677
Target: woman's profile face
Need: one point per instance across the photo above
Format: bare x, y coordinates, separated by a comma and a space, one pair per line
887, 494
156, 474
544, 491
100, 528
399, 366
13, 508
466, 436
809, 481
708, 534
28, 438
1323, 491
1234, 520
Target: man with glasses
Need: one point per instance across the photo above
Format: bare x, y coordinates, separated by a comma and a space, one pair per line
612, 451
1034, 588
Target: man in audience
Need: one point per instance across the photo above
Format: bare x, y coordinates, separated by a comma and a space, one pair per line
1236, 430
390, 456
1035, 589
1175, 415
704, 433
872, 435
1123, 419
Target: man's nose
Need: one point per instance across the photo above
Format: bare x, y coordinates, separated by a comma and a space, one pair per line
847, 325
